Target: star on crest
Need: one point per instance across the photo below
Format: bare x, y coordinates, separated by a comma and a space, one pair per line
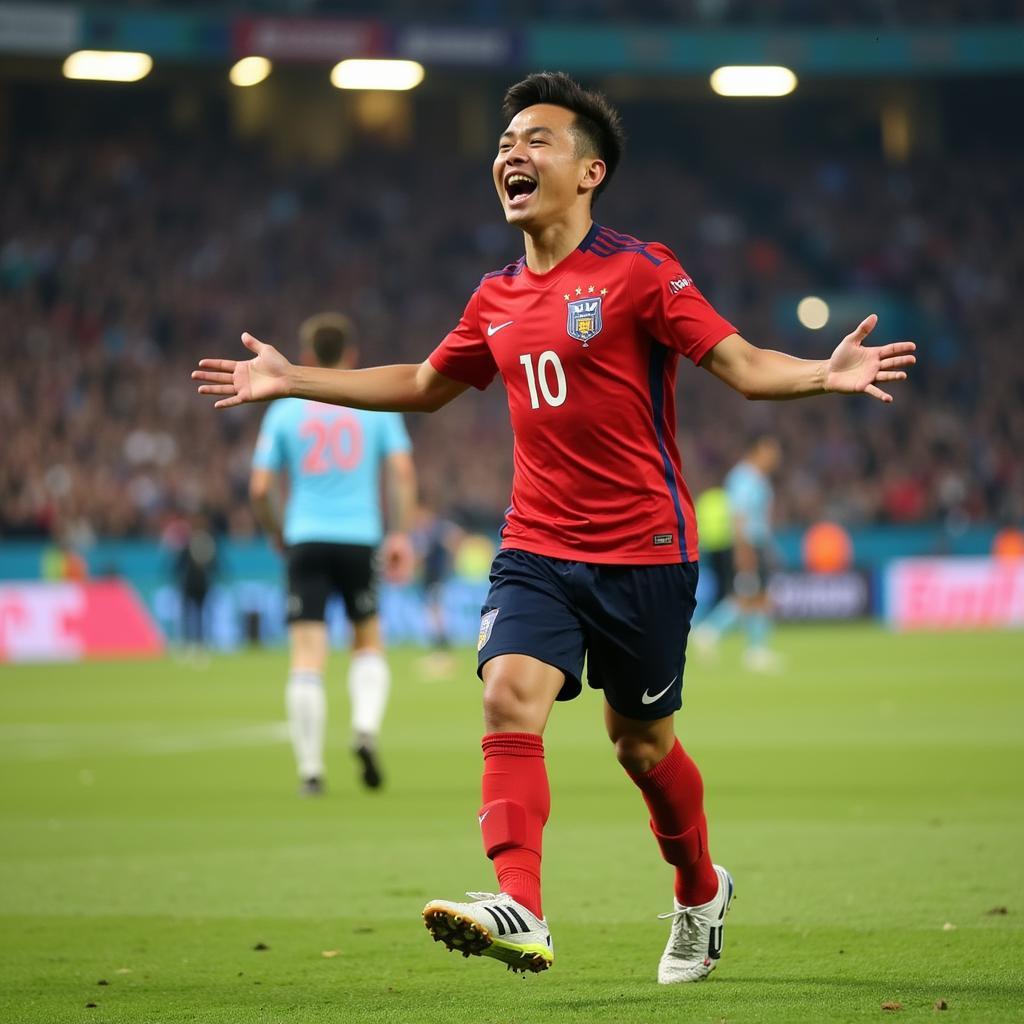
590, 290
579, 291
566, 296
604, 291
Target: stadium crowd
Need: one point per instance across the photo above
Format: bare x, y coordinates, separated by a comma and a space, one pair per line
892, 13
122, 262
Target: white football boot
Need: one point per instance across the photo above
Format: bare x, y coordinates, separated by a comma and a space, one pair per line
492, 925
695, 943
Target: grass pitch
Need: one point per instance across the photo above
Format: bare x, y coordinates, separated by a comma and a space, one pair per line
157, 863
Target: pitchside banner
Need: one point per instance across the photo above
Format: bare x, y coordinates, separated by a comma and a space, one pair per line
955, 593
71, 621
820, 596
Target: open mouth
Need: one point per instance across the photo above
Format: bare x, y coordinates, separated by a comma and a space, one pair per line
519, 188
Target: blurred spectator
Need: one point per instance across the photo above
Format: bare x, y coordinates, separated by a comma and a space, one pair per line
62, 563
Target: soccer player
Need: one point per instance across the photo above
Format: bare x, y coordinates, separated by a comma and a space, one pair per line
714, 522
599, 551
435, 541
748, 487
334, 459
196, 566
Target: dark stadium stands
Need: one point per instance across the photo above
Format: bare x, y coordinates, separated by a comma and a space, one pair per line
122, 261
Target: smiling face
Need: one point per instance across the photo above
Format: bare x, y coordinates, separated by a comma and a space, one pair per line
539, 172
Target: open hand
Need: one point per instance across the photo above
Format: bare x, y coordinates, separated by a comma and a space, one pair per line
854, 368
246, 380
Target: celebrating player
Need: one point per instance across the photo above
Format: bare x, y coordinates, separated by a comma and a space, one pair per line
599, 549
334, 459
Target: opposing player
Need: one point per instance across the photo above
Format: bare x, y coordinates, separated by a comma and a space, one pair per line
748, 487
333, 460
599, 550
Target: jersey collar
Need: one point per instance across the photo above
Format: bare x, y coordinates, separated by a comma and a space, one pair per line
559, 270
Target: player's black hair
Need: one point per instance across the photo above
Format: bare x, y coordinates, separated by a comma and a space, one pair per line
598, 126
328, 336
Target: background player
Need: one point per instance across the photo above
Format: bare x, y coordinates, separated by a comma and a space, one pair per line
714, 522
748, 488
599, 545
435, 541
196, 567
334, 459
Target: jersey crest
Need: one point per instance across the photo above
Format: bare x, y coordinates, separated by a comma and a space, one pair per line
584, 319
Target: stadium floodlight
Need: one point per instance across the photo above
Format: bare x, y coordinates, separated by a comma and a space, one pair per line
753, 80
390, 75
812, 312
107, 65
250, 71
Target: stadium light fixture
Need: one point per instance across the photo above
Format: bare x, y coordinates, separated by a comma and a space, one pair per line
107, 65
812, 312
249, 71
753, 80
390, 75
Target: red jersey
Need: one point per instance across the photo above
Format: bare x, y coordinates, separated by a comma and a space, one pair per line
588, 353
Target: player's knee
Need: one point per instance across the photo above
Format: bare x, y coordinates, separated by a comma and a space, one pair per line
638, 753
507, 705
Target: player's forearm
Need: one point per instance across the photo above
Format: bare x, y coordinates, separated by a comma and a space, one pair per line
400, 496
763, 373
265, 513
778, 376
394, 388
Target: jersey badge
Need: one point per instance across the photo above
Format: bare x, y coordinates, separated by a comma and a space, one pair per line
584, 320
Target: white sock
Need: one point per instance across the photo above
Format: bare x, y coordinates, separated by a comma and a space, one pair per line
369, 680
307, 719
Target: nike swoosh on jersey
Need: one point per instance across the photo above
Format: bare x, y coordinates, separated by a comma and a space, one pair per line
648, 699
492, 329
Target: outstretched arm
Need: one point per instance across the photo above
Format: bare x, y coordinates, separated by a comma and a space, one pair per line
852, 369
407, 387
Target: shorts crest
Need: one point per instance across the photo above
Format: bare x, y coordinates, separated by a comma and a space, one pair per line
486, 625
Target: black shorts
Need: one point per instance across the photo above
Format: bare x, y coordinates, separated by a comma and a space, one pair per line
318, 569
629, 622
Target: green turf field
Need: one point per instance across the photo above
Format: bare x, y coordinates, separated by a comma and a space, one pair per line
869, 802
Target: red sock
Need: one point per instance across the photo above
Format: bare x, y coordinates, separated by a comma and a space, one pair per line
674, 792
516, 804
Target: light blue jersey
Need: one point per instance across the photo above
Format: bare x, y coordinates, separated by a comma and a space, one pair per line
333, 459
750, 501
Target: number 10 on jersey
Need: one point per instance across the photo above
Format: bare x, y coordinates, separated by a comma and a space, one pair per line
548, 361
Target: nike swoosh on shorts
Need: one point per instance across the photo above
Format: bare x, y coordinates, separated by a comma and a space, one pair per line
648, 699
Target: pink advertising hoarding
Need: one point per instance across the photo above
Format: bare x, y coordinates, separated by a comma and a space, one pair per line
955, 593
72, 621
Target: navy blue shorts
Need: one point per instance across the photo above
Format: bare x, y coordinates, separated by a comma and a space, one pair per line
630, 623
